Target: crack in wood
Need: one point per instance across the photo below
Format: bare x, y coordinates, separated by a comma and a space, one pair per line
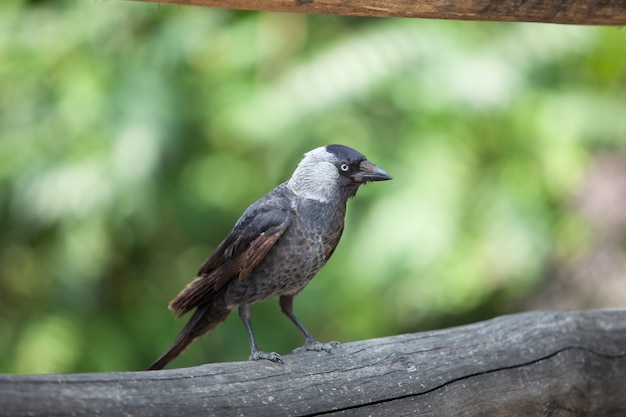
466, 377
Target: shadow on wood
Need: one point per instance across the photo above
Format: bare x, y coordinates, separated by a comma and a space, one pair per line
539, 363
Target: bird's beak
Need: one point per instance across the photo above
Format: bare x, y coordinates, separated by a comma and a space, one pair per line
370, 172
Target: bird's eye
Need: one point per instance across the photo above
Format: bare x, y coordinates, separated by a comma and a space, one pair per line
345, 167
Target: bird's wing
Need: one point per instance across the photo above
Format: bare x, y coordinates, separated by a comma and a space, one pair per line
237, 256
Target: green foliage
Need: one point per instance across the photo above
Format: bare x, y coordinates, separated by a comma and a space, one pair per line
133, 135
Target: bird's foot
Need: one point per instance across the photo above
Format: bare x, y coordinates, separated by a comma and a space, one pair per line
259, 354
314, 345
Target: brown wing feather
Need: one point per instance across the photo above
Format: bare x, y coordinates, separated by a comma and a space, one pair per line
236, 257
257, 251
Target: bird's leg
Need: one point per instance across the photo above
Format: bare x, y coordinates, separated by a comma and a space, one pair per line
286, 306
245, 312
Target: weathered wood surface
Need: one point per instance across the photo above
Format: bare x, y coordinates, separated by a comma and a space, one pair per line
583, 12
531, 364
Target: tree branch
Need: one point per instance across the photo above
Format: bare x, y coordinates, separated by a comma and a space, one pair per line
541, 363
582, 12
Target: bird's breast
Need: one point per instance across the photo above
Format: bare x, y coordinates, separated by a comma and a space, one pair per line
299, 254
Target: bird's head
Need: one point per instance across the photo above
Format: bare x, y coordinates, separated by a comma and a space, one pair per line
333, 172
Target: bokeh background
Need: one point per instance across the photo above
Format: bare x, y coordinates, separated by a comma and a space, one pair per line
133, 135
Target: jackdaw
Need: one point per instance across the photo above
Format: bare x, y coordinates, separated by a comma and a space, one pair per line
276, 247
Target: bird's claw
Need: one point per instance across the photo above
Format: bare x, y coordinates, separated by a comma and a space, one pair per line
314, 345
272, 356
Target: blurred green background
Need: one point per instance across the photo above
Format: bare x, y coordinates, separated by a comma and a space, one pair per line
133, 135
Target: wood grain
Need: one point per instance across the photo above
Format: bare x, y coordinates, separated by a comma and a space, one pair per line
582, 12
531, 364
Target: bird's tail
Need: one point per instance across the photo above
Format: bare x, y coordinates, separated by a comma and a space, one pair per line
203, 320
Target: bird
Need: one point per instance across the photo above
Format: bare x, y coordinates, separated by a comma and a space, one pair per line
275, 248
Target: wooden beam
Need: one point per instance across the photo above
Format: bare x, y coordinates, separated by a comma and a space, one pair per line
542, 363
582, 12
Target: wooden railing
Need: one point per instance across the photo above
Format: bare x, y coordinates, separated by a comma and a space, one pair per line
531, 364
588, 12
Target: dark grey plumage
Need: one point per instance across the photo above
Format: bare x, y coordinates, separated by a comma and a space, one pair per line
276, 247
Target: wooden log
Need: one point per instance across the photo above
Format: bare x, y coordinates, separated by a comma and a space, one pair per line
530, 364
583, 12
